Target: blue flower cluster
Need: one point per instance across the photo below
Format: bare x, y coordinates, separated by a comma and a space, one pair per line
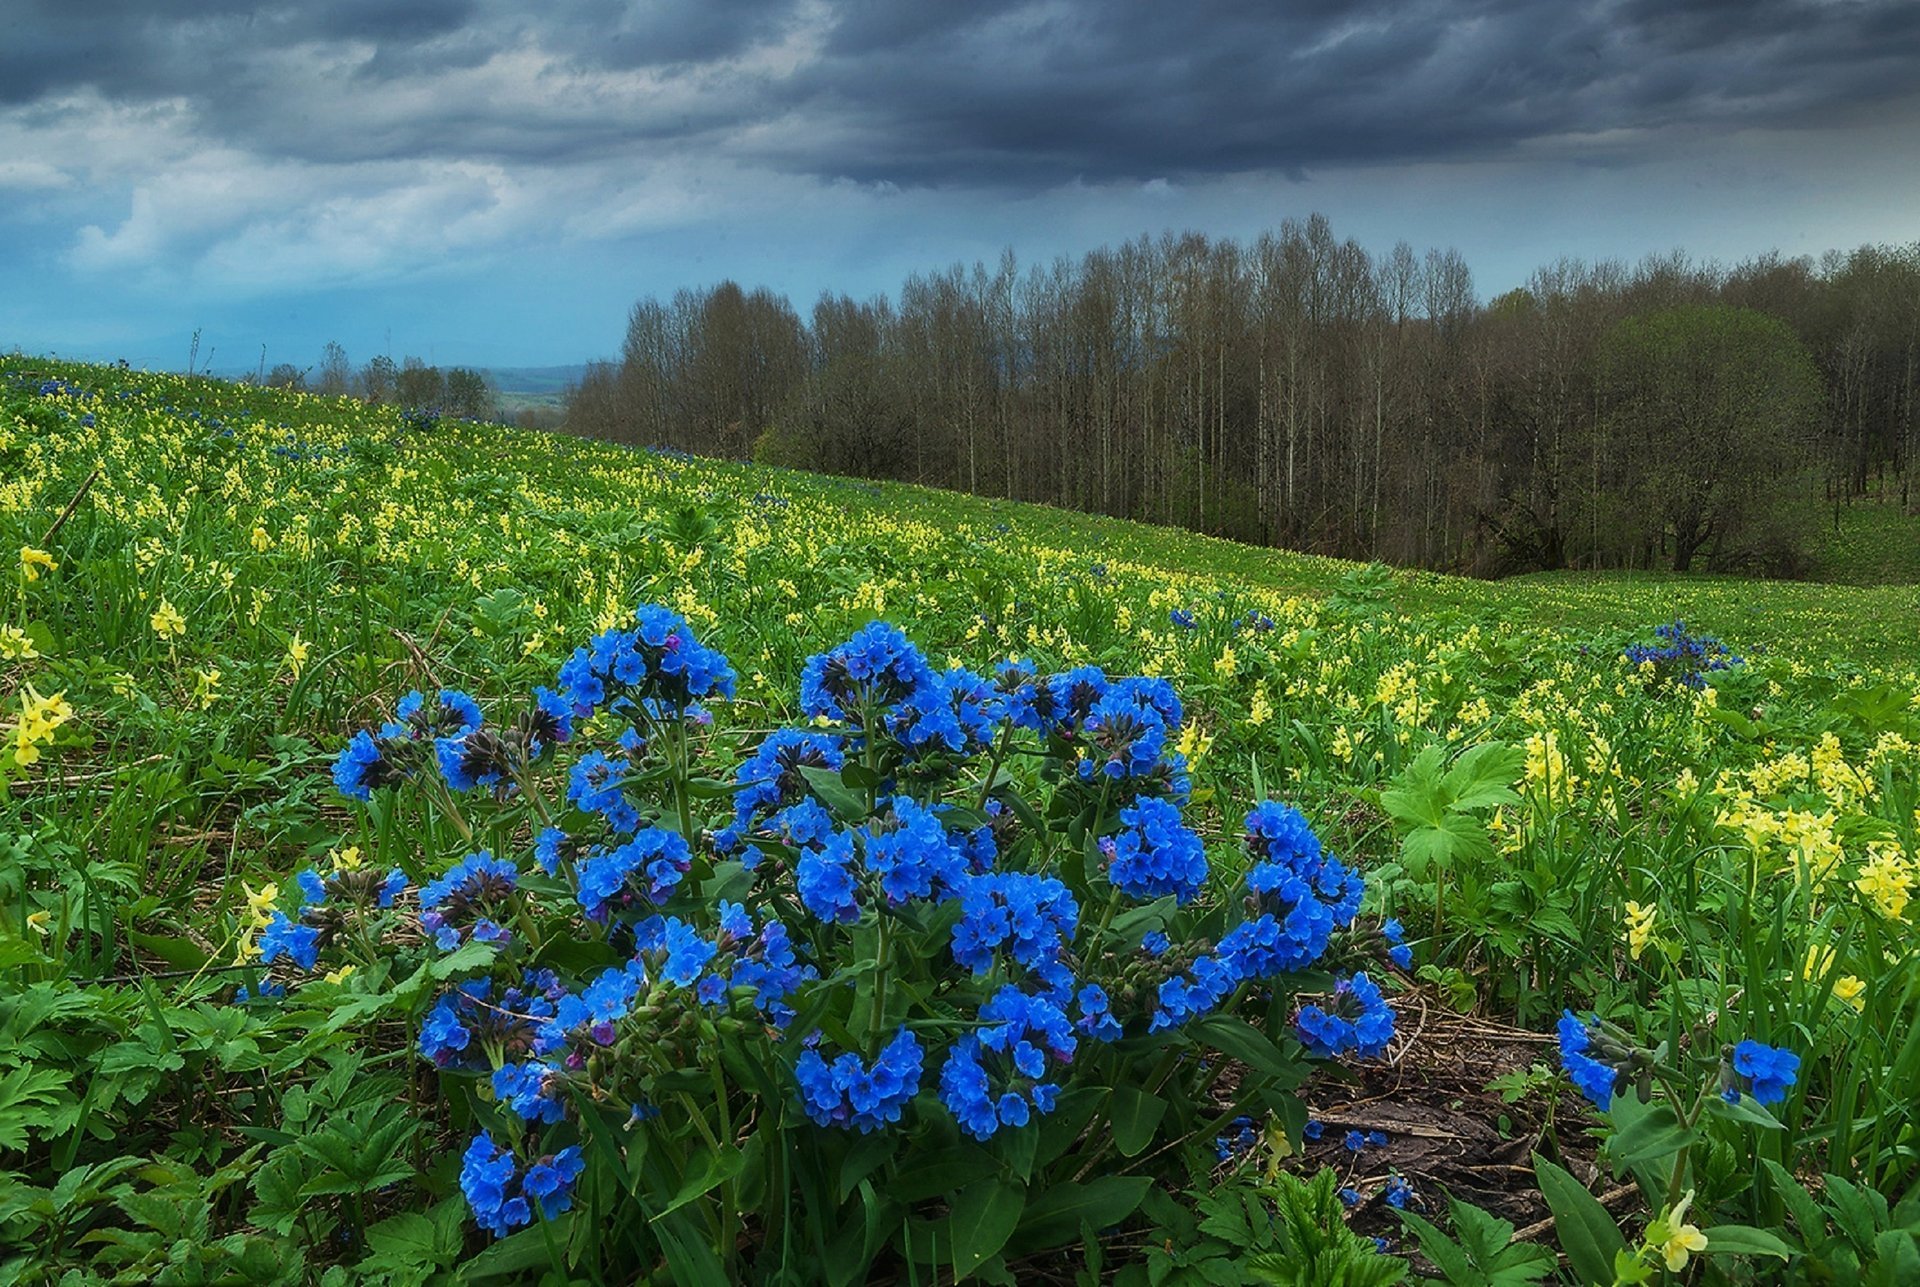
1596, 1080
948, 860
1155, 853
473, 900
1766, 1072
1397, 950
872, 673
532, 1090
645, 869
996, 1076
1683, 657
498, 1190
659, 662
1127, 728
466, 1022
1031, 918
1302, 895
1358, 1022
852, 1096
771, 779
904, 851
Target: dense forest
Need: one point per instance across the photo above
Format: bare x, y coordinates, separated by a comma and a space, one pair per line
1301, 392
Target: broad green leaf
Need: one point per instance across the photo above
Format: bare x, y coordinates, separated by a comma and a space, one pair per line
1136, 1115
1053, 1218
1649, 1136
985, 1214
1745, 1240
1587, 1233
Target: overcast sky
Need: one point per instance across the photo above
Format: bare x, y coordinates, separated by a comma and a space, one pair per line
477, 184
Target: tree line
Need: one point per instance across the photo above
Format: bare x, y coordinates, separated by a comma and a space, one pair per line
1301, 392
412, 382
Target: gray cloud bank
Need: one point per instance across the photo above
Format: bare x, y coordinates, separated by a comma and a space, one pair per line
1019, 96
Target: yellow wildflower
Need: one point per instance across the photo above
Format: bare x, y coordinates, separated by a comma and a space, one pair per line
261, 541
347, 859
38, 920
1673, 1238
167, 621
298, 650
1640, 918
1885, 880
40, 717
1261, 710
1850, 990
206, 686
335, 976
1226, 663
15, 645
32, 560
1193, 743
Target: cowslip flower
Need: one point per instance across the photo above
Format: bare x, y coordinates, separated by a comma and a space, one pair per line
1640, 918
16, 645
167, 621
1670, 1237
32, 561
40, 718
298, 650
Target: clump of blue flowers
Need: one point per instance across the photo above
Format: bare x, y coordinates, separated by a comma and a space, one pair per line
1682, 656
990, 874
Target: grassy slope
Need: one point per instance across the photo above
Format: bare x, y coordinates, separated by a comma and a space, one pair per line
1868, 623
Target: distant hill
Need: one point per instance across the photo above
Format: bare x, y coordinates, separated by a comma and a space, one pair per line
535, 380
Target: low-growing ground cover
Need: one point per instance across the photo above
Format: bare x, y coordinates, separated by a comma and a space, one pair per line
217, 586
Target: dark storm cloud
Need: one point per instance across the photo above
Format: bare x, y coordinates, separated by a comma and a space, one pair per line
996, 94
1100, 92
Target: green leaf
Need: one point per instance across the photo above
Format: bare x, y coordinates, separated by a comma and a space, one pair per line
1587, 1233
985, 1214
834, 793
1483, 776
1240, 1040
1136, 1115
1746, 1109
517, 1253
1053, 1219
1745, 1240
180, 953
1649, 1136
721, 1167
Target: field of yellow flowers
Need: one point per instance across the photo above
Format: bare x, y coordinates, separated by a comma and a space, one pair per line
211, 586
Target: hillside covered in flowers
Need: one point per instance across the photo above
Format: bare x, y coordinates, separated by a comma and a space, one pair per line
422, 841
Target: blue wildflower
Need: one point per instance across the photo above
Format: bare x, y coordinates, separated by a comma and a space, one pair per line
1358, 1021
646, 868
825, 880
771, 779
282, 937
362, 767
1031, 917
473, 900
1768, 1070
530, 1089
852, 1096
871, 673
1155, 853
489, 1177
549, 1180
1595, 1080
1018, 1036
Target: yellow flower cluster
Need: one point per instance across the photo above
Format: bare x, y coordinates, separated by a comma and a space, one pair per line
33, 561
40, 718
